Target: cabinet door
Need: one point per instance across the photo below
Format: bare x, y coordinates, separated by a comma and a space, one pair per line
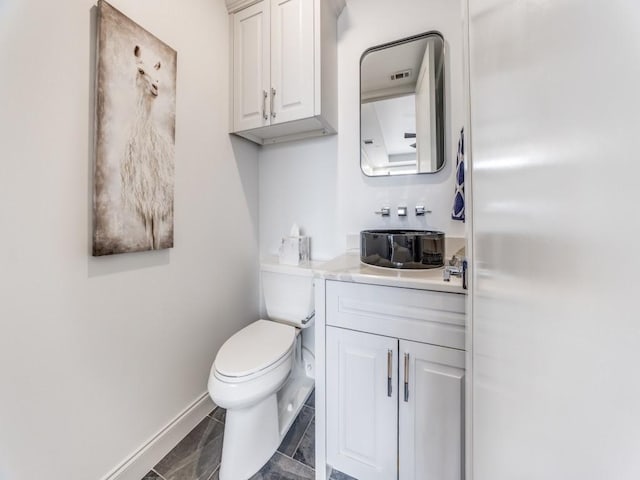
251, 67
292, 60
431, 412
362, 404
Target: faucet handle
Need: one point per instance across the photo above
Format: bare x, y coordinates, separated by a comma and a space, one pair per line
446, 274
421, 210
383, 212
450, 270
459, 270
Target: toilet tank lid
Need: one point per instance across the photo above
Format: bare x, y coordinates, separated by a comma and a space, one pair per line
256, 347
271, 264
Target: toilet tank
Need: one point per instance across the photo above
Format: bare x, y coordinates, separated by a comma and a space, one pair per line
288, 293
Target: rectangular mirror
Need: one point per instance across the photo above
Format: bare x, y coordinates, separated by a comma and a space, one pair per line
402, 107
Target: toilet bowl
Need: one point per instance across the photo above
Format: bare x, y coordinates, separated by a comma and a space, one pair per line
260, 374
243, 374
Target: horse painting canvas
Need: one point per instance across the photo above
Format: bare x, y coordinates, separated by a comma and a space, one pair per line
135, 137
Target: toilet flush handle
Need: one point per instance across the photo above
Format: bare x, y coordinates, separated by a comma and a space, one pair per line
308, 318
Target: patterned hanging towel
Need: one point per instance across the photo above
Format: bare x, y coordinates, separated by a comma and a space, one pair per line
458, 201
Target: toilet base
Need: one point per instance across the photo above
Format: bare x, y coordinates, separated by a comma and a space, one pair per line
251, 436
291, 398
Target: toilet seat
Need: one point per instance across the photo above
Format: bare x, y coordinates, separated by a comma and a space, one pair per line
254, 350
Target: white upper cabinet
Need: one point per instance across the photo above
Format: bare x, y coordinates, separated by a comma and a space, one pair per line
284, 81
292, 65
251, 67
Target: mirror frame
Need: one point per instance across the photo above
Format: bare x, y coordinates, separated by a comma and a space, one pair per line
440, 102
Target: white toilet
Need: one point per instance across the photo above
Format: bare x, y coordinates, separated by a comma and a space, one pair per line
263, 374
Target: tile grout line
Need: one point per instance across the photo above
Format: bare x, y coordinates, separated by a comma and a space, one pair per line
214, 472
221, 423
297, 461
210, 415
154, 471
208, 478
302, 438
217, 421
217, 469
290, 430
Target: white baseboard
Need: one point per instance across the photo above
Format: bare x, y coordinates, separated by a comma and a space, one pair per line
142, 460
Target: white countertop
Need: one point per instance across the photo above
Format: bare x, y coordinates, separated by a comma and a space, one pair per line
349, 268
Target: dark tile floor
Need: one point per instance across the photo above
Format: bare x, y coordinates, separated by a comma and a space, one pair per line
197, 456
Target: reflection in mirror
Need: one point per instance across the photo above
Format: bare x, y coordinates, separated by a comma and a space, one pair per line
402, 107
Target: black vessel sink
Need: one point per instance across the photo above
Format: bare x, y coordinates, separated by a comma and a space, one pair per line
405, 249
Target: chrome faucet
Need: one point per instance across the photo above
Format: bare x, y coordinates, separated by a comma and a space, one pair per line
458, 268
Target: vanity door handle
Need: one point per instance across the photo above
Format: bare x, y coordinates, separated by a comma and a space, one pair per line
389, 372
273, 96
464, 274
406, 377
264, 105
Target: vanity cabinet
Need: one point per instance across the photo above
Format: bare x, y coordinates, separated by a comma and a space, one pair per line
284, 79
395, 370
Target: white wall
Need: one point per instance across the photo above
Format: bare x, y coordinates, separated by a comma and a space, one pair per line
98, 354
318, 183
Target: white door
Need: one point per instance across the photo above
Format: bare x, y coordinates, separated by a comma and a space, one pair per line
362, 404
292, 60
555, 169
251, 67
431, 412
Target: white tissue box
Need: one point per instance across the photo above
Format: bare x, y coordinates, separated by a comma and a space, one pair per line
294, 250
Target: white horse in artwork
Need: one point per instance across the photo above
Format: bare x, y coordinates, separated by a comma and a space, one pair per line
146, 169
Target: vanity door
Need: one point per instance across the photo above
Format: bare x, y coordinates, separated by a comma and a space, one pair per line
362, 404
431, 412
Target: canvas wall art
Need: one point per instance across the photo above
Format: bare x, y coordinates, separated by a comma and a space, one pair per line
135, 137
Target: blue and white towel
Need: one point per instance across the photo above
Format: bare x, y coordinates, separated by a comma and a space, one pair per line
457, 212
